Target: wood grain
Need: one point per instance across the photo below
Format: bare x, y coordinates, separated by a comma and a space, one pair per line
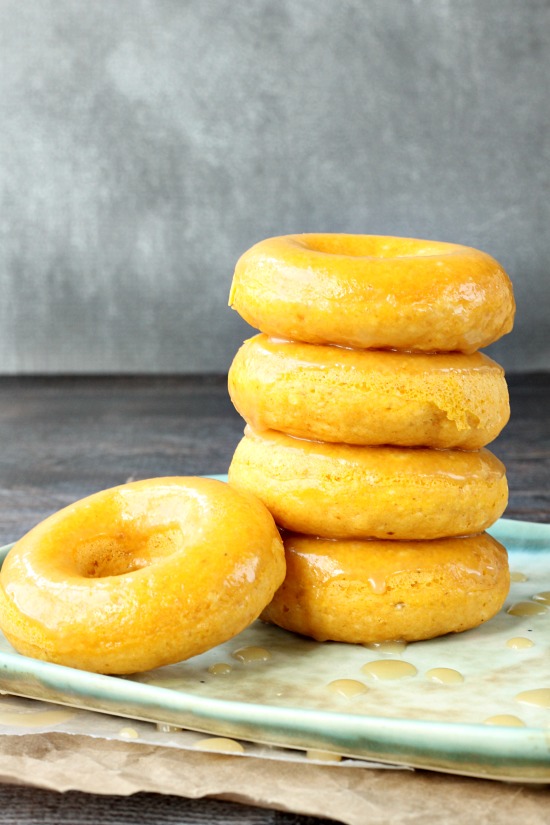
34, 806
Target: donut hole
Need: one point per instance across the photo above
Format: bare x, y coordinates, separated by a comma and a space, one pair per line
370, 246
124, 552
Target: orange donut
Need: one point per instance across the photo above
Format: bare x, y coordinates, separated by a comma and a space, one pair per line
376, 591
344, 491
371, 397
141, 575
370, 291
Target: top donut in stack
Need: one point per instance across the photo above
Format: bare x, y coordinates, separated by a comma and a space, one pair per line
368, 405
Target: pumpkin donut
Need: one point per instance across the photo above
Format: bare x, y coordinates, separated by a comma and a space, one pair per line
376, 591
344, 491
370, 397
141, 575
377, 292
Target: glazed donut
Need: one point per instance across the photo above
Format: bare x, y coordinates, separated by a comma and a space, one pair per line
141, 575
376, 591
344, 491
376, 292
371, 397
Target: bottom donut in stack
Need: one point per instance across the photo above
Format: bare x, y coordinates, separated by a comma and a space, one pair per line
375, 591
404, 554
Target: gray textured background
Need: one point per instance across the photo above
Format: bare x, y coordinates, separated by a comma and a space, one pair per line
144, 144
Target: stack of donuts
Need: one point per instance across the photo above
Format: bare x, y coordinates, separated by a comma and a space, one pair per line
368, 411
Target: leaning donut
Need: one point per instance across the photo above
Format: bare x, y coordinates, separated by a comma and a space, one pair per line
344, 491
372, 591
369, 396
141, 575
370, 291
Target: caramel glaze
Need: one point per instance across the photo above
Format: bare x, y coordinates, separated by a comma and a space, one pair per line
374, 591
371, 397
373, 292
343, 491
188, 562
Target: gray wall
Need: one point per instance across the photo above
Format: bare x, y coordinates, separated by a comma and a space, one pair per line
144, 144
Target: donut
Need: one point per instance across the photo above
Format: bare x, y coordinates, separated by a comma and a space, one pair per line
371, 397
375, 292
141, 575
374, 591
346, 491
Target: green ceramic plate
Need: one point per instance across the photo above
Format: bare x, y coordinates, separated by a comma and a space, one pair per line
279, 690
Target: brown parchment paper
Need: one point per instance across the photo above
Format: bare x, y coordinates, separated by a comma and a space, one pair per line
63, 762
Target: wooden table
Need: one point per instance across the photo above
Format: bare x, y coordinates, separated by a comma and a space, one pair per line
63, 438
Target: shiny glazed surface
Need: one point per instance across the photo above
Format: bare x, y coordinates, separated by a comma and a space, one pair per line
343, 491
141, 575
351, 396
370, 291
374, 591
